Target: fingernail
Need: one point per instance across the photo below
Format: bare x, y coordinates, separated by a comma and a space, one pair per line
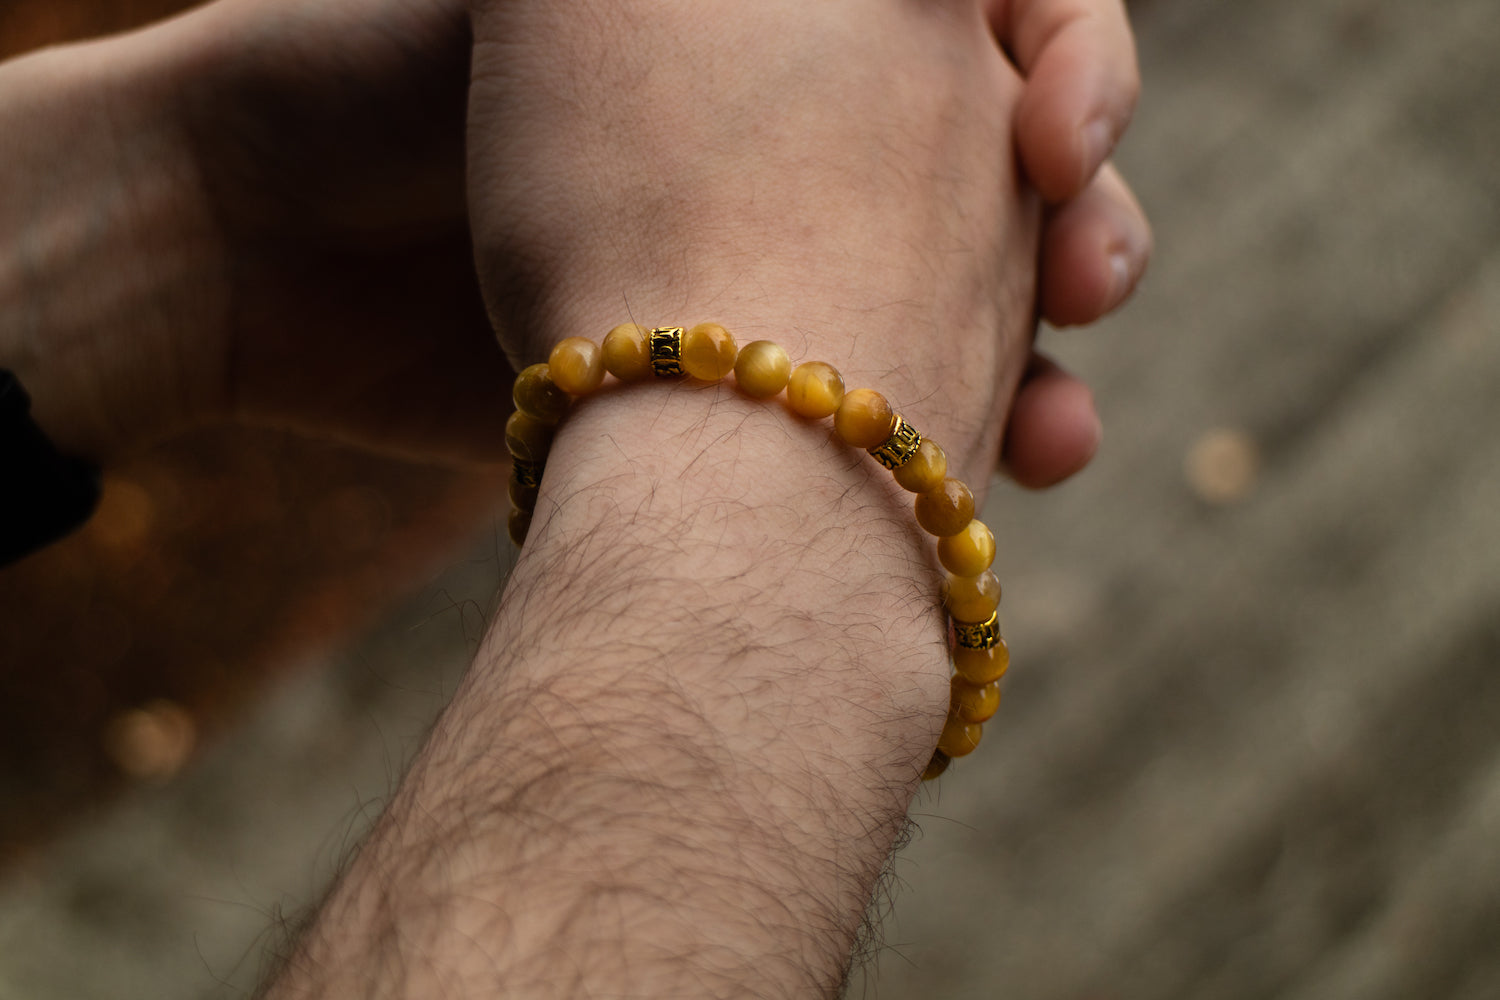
1098, 139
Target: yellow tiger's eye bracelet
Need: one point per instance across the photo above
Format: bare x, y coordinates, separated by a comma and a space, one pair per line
815, 390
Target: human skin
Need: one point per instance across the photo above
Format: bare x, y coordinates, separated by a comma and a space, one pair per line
726, 774
688, 743
251, 213
255, 212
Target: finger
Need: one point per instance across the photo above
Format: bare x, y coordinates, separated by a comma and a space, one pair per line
1082, 82
1094, 250
1054, 429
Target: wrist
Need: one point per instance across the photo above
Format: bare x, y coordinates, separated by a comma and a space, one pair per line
682, 512
717, 673
948, 358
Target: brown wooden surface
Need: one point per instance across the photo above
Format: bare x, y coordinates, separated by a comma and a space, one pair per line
1250, 747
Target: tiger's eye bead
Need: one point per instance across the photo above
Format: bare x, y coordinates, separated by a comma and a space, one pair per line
864, 419
522, 495
924, 471
708, 352
762, 369
970, 703
577, 365
981, 666
518, 526
540, 397
527, 437
945, 510
626, 353
936, 766
968, 553
972, 599
959, 737
815, 390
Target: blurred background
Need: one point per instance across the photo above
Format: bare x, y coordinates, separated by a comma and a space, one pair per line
1251, 743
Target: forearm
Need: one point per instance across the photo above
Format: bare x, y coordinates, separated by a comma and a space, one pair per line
103, 264
679, 764
680, 761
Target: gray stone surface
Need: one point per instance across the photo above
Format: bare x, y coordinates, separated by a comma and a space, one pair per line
1249, 749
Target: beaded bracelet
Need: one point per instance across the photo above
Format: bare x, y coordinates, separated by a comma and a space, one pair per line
815, 390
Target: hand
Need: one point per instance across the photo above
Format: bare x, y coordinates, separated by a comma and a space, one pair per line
328, 241
1096, 243
1082, 84
711, 164
330, 142
280, 193
690, 738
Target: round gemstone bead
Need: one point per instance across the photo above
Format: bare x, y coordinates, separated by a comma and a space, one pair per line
626, 354
959, 737
946, 510
527, 437
968, 553
972, 599
936, 766
762, 369
815, 390
970, 703
522, 495
925, 470
864, 419
538, 396
518, 525
708, 352
981, 666
577, 365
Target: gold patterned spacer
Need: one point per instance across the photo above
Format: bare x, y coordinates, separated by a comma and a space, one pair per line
985, 635
666, 352
899, 447
528, 474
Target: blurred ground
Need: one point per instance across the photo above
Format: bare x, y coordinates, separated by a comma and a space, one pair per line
1251, 744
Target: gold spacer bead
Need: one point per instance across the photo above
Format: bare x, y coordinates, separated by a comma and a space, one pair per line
981, 636
666, 352
899, 447
527, 474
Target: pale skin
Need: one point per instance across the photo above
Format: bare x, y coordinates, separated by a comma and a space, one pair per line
679, 763
220, 170
689, 741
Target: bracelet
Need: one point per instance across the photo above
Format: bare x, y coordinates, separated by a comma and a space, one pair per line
861, 417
